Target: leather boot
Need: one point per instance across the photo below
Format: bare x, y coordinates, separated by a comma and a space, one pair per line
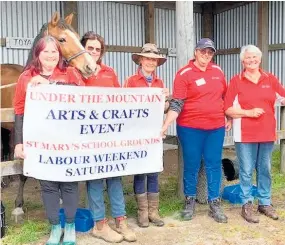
268, 210
153, 204
122, 228
216, 211
55, 235
248, 214
69, 234
142, 210
103, 231
189, 208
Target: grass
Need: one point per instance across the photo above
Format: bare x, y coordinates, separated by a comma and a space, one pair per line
34, 227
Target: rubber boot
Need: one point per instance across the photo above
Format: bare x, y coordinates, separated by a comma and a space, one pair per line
55, 235
142, 210
153, 204
69, 234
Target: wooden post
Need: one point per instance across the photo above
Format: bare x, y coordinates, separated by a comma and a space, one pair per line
282, 141
263, 32
68, 8
149, 22
185, 50
208, 20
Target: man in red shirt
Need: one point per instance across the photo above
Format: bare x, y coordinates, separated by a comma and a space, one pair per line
198, 106
250, 101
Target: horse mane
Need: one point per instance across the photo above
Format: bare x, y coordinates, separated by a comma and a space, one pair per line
61, 24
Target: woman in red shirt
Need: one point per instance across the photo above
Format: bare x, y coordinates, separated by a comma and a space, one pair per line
250, 101
47, 66
198, 106
148, 60
105, 77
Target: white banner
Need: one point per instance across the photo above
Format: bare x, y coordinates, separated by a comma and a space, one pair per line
80, 133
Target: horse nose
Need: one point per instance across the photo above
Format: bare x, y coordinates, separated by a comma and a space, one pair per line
89, 69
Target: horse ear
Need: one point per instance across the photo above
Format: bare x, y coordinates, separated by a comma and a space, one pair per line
55, 19
68, 19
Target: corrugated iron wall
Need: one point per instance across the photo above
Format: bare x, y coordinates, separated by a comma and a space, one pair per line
119, 24
233, 29
23, 19
277, 36
165, 36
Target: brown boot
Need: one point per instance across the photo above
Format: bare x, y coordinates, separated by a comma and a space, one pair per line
268, 210
153, 203
248, 214
103, 231
142, 210
122, 228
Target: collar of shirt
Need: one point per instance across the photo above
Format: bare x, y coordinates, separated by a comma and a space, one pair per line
262, 77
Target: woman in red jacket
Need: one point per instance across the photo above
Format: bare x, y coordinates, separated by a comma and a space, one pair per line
105, 77
48, 67
148, 203
198, 106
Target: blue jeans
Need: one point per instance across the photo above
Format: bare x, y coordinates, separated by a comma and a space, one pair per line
255, 156
152, 183
197, 144
95, 192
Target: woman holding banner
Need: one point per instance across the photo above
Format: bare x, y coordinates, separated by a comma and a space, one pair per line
48, 67
105, 77
148, 203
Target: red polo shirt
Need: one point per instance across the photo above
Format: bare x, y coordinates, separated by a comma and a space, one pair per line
245, 94
139, 80
202, 92
106, 77
70, 75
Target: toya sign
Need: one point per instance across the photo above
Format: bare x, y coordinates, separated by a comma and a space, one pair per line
19, 42
82, 133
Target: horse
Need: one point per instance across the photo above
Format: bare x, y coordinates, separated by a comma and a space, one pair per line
74, 55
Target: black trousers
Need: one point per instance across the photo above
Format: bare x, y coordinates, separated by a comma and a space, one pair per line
51, 193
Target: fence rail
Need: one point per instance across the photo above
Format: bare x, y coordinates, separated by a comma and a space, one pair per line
16, 166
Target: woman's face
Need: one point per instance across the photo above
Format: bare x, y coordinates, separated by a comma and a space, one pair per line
204, 56
49, 56
93, 47
148, 64
251, 61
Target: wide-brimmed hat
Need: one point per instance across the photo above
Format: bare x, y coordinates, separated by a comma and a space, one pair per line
151, 51
206, 43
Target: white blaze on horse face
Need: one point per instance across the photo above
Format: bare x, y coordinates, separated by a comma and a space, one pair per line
93, 47
49, 57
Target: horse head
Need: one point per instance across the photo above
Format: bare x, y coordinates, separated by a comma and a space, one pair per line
72, 50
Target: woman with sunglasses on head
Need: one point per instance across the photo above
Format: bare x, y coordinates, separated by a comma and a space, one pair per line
198, 108
105, 77
148, 203
47, 67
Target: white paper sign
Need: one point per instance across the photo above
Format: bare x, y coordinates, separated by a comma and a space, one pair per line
19, 42
81, 133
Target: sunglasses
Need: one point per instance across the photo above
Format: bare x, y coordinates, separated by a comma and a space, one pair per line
91, 49
205, 51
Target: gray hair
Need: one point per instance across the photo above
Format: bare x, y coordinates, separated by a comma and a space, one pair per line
249, 48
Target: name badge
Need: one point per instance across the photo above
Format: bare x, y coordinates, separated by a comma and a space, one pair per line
200, 82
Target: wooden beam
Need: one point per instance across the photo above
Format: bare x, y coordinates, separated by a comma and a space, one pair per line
220, 7
208, 20
131, 49
185, 39
282, 141
7, 115
279, 46
149, 22
71, 7
11, 168
228, 51
263, 32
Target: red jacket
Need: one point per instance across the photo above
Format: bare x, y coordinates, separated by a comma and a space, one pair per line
202, 92
106, 77
139, 80
70, 76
